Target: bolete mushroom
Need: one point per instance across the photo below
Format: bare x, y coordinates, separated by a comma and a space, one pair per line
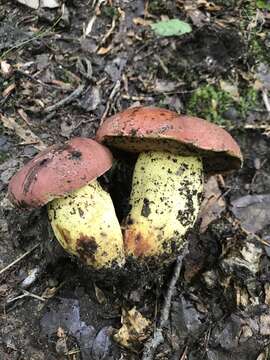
81, 213
174, 152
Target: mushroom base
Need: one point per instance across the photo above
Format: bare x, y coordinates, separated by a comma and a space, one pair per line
165, 200
85, 224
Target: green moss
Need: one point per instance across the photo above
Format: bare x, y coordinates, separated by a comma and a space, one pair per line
258, 50
3, 156
263, 4
109, 11
248, 101
210, 102
256, 47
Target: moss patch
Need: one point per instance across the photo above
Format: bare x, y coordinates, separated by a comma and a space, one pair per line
211, 103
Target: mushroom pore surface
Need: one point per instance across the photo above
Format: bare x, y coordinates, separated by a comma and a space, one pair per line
85, 224
165, 200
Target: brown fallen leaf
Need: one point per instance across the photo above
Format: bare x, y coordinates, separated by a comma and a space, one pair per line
208, 5
141, 21
213, 203
104, 51
25, 134
101, 298
134, 329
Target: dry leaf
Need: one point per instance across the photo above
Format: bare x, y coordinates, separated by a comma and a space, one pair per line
267, 293
8, 90
252, 211
141, 21
209, 5
104, 51
26, 134
133, 330
213, 203
48, 293
101, 298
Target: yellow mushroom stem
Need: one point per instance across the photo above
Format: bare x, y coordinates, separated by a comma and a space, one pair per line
165, 200
85, 224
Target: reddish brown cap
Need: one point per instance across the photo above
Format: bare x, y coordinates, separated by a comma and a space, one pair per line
57, 171
144, 128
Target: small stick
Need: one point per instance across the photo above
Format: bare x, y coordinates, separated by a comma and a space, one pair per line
77, 92
266, 100
93, 18
110, 100
152, 344
25, 294
18, 259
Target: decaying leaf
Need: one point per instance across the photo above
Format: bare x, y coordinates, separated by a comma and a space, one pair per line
133, 330
104, 51
141, 21
209, 5
212, 205
252, 211
26, 134
101, 298
172, 27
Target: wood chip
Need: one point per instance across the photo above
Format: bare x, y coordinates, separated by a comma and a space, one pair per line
8, 90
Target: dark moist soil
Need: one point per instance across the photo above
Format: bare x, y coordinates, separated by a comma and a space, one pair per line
220, 70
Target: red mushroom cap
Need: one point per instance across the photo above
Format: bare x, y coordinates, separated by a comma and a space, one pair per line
144, 129
59, 170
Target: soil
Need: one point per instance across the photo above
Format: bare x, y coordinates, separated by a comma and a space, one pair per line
51, 306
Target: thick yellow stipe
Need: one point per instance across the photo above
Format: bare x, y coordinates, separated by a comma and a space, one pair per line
165, 200
85, 224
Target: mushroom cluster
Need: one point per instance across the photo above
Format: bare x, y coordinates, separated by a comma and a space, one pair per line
173, 154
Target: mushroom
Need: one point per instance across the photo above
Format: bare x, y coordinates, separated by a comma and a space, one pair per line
174, 152
81, 213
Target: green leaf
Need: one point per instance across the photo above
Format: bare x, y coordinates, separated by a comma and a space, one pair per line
173, 27
263, 4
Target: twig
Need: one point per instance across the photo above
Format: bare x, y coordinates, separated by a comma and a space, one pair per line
25, 294
39, 35
266, 100
18, 259
152, 344
93, 18
77, 92
111, 97
108, 34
